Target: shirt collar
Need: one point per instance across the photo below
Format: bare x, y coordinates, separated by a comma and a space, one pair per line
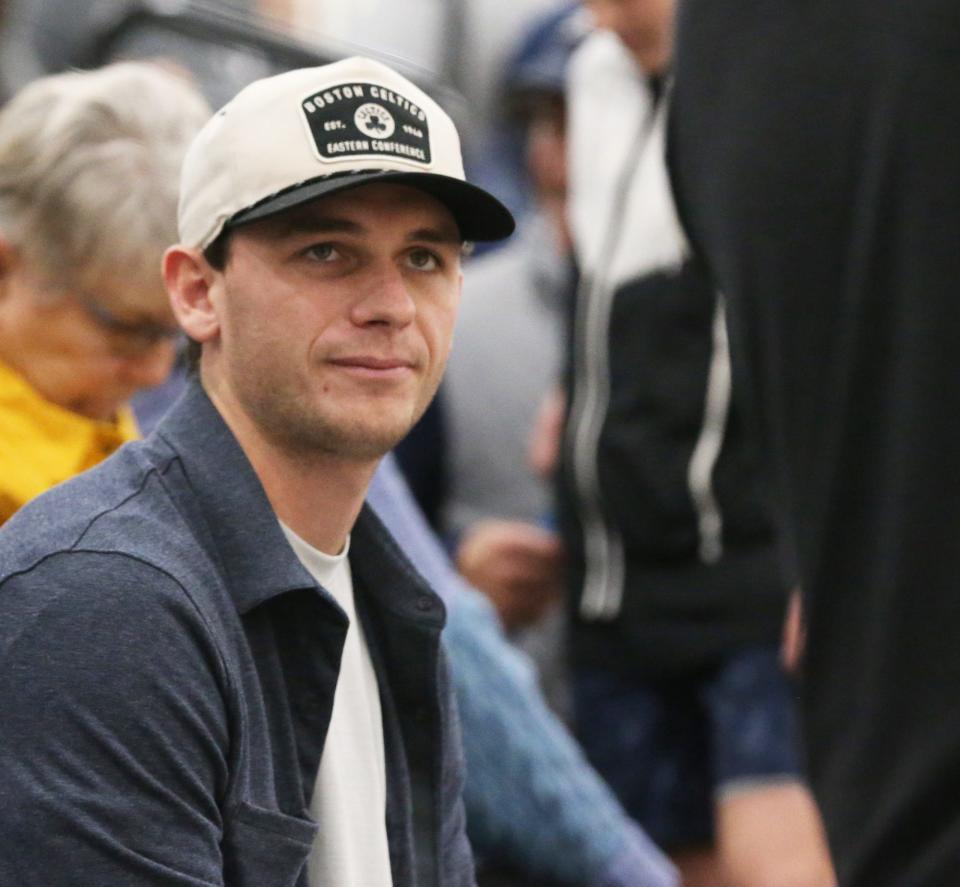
244, 530
246, 536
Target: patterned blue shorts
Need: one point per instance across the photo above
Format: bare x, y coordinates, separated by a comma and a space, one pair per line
669, 748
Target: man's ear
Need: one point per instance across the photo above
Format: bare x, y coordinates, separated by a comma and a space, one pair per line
189, 280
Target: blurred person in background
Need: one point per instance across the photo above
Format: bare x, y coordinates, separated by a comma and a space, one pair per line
678, 588
494, 502
538, 815
468, 460
89, 170
814, 150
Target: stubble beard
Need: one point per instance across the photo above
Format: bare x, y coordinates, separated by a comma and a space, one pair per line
300, 425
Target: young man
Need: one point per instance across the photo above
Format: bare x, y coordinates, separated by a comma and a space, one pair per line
680, 699
217, 666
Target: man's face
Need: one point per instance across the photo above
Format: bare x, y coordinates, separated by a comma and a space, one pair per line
644, 26
336, 318
87, 346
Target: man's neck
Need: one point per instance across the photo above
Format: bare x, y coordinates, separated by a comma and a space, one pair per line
319, 499
318, 495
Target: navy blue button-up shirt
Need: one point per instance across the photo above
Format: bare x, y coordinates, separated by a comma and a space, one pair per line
167, 672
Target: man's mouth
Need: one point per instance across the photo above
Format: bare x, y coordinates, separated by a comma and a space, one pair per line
375, 367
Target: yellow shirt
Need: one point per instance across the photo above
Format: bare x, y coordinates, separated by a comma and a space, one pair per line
42, 444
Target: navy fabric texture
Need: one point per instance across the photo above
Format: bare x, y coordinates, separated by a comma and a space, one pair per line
672, 746
167, 671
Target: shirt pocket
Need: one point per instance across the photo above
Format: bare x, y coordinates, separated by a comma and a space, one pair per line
265, 848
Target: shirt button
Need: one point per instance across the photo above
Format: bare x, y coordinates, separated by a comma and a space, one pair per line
424, 603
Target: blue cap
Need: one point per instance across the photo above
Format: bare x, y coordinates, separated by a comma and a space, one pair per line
539, 63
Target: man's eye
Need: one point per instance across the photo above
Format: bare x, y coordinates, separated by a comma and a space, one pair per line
423, 260
322, 252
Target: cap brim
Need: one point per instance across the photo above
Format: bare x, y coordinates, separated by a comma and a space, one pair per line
479, 215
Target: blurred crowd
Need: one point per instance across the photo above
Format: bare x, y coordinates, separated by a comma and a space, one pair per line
674, 486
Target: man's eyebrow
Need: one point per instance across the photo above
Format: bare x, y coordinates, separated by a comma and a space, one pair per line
436, 235
309, 224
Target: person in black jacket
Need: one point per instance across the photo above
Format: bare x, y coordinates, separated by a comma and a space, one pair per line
814, 153
678, 585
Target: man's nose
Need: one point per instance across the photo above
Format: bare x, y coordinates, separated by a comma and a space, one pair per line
385, 298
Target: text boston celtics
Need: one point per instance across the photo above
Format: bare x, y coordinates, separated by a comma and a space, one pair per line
358, 90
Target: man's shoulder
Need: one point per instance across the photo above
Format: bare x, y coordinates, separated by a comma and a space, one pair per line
59, 518
124, 511
113, 549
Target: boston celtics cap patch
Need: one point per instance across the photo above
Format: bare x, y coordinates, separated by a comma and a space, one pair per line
367, 120
298, 136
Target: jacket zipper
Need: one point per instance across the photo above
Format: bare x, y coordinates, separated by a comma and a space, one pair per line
605, 565
703, 460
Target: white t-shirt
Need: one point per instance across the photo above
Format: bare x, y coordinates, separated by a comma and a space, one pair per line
350, 797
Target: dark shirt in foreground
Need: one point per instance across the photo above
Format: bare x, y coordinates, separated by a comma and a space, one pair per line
814, 149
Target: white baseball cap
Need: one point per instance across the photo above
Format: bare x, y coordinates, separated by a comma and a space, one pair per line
297, 136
